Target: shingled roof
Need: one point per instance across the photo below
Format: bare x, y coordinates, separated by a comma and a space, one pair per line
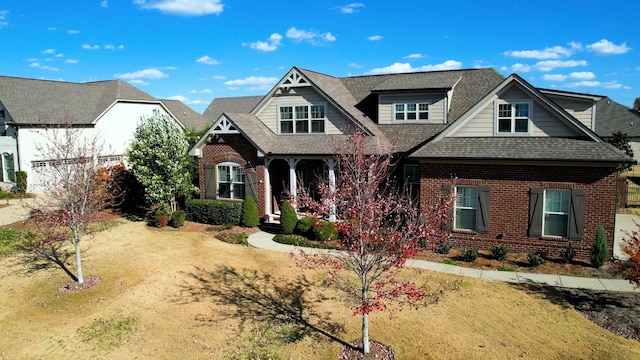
235, 105
187, 116
40, 102
613, 117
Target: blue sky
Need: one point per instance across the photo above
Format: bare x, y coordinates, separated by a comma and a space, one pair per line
197, 50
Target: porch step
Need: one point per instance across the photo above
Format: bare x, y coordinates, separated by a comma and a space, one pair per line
271, 227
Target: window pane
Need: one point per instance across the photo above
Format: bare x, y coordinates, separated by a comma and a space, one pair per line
224, 190
237, 174
522, 110
522, 125
556, 201
223, 173
238, 191
286, 113
504, 125
504, 110
317, 112
423, 107
317, 126
302, 127
412, 174
302, 112
400, 107
466, 196
555, 225
286, 127
465, 219
411, 116
399, 116
411, 107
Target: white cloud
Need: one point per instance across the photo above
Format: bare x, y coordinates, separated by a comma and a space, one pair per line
113, 47
414, 56
3, 18
59, 55
71, 61
49, 51
606, 47
37, 65
406, 67
179, 98
554, 77
104, 3
272, 44
311, 37
355, 65
585, 83
73, 32
555, 52
206, 91
183, 7
207, 60
253, 82
582, 75
375, 38
350, 8
90, 47
549, 65
150, 73
139, 82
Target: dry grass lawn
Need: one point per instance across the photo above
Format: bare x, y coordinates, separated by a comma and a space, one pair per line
194, 297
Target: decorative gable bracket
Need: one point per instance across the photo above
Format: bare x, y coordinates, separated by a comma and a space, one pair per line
224, 126
294, 79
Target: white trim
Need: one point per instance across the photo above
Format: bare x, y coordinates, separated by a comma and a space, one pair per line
309, 119
514, 117
545, 212
456, 207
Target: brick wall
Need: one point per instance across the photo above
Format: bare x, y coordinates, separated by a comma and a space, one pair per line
509, 202
235, 148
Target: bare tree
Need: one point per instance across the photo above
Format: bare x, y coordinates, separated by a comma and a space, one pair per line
380, 228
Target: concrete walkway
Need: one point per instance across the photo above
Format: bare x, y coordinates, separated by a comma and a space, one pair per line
264, 240
18, 210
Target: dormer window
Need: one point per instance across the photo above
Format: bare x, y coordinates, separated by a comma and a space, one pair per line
513, 117
302, 119
411, 111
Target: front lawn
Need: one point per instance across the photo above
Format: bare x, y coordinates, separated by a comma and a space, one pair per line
178, 294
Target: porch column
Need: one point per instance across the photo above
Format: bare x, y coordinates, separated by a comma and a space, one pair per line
293, 180
267, 188
332, 187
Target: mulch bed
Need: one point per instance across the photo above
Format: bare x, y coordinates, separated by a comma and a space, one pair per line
73, 286
376, 351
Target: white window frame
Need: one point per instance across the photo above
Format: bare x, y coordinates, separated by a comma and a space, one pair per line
545, 212
513, 118
309, 119
405, 111
457, 207
231, 180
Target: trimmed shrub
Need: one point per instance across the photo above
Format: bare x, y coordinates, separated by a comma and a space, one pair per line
305, 226
536, 258
249, 213
288, 218
499, 252
298, 240
443, 249
468, 254
599, 251
213, 212
177, 218
325, 231
21, 181
161, 218
567, 254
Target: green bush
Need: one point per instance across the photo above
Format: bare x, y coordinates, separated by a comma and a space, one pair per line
177, 218
288, 217
567, 254
232, 238
249, 214
325, 231
305, 226
499, 252
443, 249
468, 254
213, 212
298, 240
600, 250
21, 181
536, 258
9, 241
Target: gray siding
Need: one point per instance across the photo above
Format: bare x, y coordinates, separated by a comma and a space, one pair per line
436, 107
580, 109
301, 96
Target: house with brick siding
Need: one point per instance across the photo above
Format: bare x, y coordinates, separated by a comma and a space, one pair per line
525, 165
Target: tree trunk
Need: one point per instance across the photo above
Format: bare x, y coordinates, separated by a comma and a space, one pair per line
365, 316
76, 244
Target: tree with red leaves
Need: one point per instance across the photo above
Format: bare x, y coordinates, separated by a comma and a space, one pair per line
380, 228
72, 196
631, 247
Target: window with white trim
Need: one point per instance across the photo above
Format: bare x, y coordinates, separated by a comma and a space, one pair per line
556, 212
302, 119
417, 111
513, 117
230, 181
466, 207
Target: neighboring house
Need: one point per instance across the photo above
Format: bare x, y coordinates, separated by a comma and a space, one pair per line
525, 166
109, 110
613, 117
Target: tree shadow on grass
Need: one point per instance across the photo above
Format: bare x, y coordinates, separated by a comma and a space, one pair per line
550, 293
258, 297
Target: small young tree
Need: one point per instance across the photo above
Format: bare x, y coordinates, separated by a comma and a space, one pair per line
600, 250
159, 160
380, 227
288, 217
73, 196
621, 141
631, 247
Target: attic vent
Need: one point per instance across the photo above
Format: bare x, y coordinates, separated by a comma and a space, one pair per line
295, 79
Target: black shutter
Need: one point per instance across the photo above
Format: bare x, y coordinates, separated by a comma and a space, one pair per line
576, 214
535, 212
446, 191
209, 181
482, 212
